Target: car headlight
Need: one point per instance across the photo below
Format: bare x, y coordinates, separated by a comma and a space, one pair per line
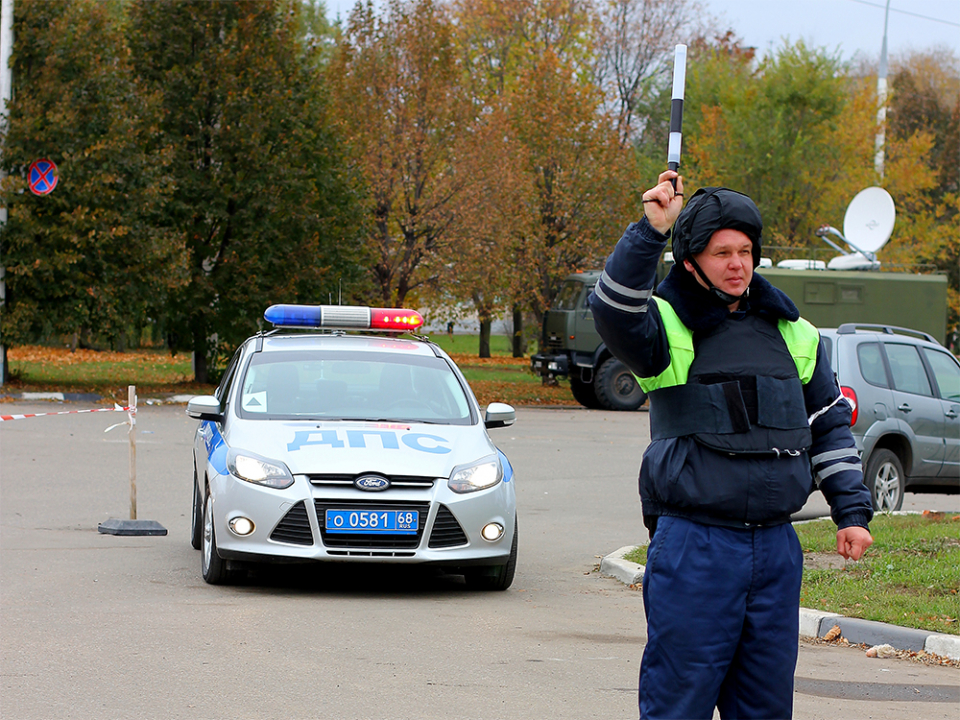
478, 476
259, 471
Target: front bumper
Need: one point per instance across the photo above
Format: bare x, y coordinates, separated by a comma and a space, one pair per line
289, 524
550, 366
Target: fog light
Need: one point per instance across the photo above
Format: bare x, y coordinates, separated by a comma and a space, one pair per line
242, 526
492, 532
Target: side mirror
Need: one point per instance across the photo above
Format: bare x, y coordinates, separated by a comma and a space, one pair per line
499, 415
205, 407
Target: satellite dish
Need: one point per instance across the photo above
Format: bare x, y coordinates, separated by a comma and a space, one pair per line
869, 221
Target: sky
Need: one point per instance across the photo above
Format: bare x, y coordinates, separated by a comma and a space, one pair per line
850, 27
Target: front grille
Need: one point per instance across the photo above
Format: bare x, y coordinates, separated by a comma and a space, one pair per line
368, 540
554, 344
396, 481
446, 530
294, 528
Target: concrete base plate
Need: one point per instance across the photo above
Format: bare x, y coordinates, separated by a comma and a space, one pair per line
131, 527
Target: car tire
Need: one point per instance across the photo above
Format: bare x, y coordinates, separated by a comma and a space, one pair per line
213, 566
584, 393
498, 577
617, 388
196, 530
885, 480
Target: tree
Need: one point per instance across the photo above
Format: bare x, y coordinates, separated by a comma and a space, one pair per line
925, 96
576, 173
636, 39
552, 175
261, 205
399, 105
85, 259
772, 131
924, 134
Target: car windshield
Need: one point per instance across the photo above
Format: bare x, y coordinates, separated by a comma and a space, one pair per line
352, 386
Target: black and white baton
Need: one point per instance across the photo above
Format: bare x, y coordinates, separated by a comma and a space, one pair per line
676, 110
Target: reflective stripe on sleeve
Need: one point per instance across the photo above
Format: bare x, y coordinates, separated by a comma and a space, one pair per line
839, 467
598, 291
835, 455
623, 289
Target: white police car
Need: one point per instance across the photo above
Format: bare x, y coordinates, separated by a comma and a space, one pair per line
328, 446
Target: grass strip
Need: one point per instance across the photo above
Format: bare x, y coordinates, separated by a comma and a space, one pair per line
104, 373
910, 576
500, 378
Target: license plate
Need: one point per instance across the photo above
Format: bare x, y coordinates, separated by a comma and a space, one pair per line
389, 522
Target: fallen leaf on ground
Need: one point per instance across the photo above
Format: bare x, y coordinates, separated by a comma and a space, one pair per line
833, 633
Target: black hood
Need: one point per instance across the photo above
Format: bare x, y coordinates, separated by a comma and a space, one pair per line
711, 209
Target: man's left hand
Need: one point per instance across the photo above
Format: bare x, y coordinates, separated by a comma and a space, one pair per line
853, 541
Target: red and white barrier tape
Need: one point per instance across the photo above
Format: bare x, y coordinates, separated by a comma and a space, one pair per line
115, 408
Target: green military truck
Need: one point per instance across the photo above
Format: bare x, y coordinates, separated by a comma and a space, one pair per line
571, 347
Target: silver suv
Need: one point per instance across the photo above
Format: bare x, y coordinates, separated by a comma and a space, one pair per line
904, 388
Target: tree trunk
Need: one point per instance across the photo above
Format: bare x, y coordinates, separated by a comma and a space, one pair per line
519, 346
201, 371
485, 325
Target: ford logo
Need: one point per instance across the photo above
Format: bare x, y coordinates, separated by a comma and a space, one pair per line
371, 483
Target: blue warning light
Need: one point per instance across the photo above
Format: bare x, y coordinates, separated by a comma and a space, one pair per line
293, 315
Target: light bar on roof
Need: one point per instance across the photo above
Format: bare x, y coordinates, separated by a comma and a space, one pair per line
343, 317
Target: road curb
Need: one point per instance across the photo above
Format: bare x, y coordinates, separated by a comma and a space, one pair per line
815, 623
60, 396
169, 399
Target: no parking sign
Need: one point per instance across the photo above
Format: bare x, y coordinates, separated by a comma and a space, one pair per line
43, 177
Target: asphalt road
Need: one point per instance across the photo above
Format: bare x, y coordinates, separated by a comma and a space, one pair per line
96, 625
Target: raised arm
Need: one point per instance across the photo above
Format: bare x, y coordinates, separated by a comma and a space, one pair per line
622, 312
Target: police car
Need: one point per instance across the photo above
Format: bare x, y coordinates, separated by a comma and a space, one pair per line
350, 447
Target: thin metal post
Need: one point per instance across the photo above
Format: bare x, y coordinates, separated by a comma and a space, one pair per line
6, 92
880, 140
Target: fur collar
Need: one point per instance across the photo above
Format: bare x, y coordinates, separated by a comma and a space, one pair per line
700, 310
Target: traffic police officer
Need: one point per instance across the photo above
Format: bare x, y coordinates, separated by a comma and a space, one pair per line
745, 419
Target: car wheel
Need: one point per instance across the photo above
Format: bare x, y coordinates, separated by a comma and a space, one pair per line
884, 477
498, 577
196, 530
213, 566
617, 388
584, 393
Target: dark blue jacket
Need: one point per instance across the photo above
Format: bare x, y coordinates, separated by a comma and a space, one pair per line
680, 477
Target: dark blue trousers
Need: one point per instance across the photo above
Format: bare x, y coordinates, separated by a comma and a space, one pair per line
722, 609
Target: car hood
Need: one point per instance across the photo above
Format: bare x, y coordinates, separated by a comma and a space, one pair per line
353, 447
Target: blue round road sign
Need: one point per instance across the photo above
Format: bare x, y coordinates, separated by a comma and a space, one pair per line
43, 177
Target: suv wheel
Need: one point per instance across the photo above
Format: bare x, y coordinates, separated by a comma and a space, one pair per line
617, 388
884, 477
